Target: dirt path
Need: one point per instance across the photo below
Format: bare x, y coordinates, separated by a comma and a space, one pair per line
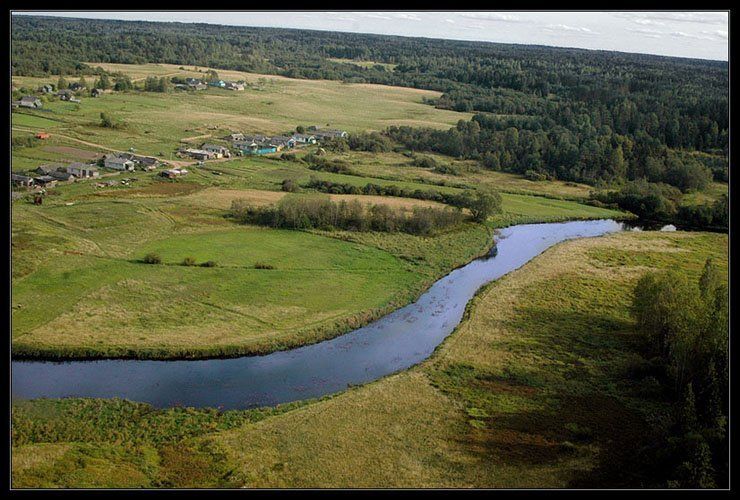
176, 163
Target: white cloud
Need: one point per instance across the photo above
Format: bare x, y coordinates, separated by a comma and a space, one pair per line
660, 18
683, 34
491, 16
374, 15
647, 32
406, 15
572, 29
451, 21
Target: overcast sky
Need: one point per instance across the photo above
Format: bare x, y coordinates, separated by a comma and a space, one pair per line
701, 35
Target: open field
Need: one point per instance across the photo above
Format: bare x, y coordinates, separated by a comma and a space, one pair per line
156, 122
509, 400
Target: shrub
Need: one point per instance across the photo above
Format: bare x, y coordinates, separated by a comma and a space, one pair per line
289, 186
208, 263
152, 258
262, 265
188, 261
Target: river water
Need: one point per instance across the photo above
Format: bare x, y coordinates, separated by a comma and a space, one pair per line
395, 342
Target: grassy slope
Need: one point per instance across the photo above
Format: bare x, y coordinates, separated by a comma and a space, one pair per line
157, 122
532, 390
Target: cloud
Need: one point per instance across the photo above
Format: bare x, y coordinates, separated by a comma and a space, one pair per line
570, 29
683, 34
496, 17
647, 32
660, 18
406, 15
374, 15
717, 33
451, 21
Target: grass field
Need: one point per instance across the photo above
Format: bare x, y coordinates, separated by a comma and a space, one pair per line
155, 122
532, 390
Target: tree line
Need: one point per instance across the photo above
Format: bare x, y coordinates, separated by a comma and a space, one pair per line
685, 329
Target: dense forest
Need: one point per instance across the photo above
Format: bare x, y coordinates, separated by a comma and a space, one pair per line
603, 118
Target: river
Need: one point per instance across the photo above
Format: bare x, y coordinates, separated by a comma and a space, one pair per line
393, 343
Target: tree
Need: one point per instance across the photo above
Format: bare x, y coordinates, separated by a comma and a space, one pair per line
62, 83
484, 203
103, 82
300, 129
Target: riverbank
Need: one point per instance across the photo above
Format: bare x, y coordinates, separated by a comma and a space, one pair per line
528, 392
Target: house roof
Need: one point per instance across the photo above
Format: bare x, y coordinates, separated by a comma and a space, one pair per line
29, 98
213, 146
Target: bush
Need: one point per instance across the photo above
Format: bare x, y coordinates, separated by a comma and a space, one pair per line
188, 261
289, 186
262, 265
208, 263
322, 213
152, 258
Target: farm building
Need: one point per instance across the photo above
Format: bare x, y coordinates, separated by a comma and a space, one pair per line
220, 83
173, 173
30, 101
304, 138
48, 169
199, 154
96, 93
76, 86
260, 148
45, 181
234, 86
46, 89
81, 170
145, 162
65, 94
323, 134
118, 163
62, 176
218, 151
21, 180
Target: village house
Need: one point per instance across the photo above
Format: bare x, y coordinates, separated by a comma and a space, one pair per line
48, 169
83, 171
96, 92
45, 181
173, 173
282, 141
145, 162
118, 163
234, 137
46, 89
220, 83
30, 101
62, 176
65, 94
20, 180
323, 134
218, 151
76, 86
195, 84
199, 154
304, 138
234, 86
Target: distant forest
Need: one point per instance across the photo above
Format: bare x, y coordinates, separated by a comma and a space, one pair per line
571, 114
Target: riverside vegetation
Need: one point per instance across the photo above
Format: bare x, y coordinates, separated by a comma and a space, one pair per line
558, 376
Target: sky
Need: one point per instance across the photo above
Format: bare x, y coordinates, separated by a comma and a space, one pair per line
702, 35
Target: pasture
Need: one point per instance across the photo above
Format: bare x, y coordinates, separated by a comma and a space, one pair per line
508, 400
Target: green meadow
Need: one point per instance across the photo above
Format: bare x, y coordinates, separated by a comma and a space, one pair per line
539, 386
